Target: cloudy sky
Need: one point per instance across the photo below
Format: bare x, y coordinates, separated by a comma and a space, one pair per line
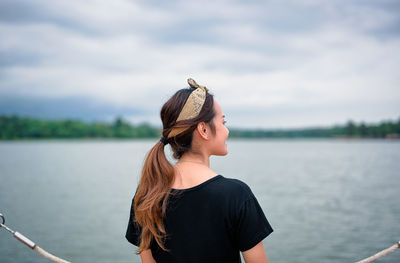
270, 64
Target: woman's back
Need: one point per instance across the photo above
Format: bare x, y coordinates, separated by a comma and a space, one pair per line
209, 222
212, 218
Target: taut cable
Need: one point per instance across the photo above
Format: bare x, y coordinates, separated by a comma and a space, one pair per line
30, 243
381, 254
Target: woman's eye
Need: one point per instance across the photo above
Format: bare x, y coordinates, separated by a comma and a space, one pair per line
224, 122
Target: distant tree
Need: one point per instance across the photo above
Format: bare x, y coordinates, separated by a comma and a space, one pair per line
363, 130
350, 128
121, 128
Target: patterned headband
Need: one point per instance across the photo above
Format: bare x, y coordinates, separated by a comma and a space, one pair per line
192, 107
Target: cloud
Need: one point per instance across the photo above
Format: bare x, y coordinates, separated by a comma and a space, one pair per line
270, 64
68, 108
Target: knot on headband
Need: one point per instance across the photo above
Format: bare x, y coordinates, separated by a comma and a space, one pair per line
192, 83
192, 107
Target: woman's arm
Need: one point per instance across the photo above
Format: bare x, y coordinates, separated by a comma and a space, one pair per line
255, 254
147, 257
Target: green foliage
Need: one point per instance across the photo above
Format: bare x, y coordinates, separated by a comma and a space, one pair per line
14, 127
385, 129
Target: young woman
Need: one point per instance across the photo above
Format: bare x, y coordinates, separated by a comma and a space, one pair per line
187, 212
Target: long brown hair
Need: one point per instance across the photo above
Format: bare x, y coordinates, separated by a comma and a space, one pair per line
157, 174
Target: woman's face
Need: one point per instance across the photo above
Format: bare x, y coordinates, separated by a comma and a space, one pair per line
218, 141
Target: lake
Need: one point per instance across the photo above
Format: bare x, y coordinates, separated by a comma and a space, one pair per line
328, 200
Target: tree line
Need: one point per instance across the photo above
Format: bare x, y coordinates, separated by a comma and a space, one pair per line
15, 127
385, 129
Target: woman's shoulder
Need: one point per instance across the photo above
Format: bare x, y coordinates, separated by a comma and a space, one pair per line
235, 183
233, 186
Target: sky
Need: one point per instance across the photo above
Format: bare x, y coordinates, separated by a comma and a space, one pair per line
270, 64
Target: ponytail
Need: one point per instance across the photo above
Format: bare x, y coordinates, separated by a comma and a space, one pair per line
151, 197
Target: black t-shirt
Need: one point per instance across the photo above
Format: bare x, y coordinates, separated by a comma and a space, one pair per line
210, 222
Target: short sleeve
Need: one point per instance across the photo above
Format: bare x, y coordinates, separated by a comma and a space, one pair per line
134, 230
252, 225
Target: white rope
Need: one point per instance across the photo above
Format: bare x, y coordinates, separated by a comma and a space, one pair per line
381, 253
23, 239
47, 255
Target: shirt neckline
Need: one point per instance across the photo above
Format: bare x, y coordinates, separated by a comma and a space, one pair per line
197, 186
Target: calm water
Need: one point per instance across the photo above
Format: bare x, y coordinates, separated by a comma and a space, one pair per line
327, 200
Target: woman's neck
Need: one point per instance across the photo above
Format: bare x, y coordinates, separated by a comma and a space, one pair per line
195, 158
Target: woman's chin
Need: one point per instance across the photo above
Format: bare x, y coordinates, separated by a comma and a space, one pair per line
225, 152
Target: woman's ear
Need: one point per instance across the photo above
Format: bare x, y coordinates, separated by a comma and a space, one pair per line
203, 129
